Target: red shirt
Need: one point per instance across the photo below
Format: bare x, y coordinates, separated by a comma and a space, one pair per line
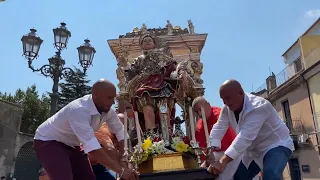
201, 137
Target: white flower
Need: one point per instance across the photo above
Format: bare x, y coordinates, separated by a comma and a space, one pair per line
175, 140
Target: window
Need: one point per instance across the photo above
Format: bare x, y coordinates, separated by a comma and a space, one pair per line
298, 64
287, 114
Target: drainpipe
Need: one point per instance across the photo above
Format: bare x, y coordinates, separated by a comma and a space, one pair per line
314, 123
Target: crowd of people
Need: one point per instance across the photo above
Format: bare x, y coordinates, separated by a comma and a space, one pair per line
85, 139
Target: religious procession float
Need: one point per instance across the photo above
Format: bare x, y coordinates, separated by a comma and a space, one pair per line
157, 69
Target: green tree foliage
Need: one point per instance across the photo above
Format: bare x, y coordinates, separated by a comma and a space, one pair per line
73, 88
36, 109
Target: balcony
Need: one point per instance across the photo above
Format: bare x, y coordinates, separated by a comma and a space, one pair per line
295, 126
283, 76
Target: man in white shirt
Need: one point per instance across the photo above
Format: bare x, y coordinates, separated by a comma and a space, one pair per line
57, 140
262, 137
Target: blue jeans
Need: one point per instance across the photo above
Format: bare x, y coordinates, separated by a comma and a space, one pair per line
274, 163
102, 173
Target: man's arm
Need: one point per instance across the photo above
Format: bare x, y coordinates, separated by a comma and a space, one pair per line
219, 129
79, 121
248, 132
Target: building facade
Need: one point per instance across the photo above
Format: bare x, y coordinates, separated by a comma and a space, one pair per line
295, 94
17, 158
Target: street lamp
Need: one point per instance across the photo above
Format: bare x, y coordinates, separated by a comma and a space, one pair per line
55, 69
86, 53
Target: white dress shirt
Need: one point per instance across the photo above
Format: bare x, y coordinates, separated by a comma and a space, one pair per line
76, 123
258, 130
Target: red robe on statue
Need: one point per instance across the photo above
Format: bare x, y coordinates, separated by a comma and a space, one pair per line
200, 135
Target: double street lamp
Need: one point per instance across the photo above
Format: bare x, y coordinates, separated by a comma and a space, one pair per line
55, 69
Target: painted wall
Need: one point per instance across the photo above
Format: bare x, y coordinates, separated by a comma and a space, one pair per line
314, 87
10, 117
292, 54
315, 30
310, 48
299, 106
300, 109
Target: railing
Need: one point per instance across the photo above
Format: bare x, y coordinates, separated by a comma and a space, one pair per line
284, 75
295, 126
261, 88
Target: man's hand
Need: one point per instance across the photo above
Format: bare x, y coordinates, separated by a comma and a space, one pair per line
215, 168
123, 164
218, 166
129, 174
225, 159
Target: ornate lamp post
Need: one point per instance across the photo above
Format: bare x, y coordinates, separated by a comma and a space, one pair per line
55, 69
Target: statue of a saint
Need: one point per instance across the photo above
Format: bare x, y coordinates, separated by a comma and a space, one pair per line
135, 30
153, 79
178, 131
169, 27
143, 29
191, 27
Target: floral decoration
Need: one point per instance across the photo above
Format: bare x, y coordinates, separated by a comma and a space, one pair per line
153, 147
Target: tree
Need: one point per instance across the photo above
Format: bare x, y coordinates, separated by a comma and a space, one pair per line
35, 109
74, 87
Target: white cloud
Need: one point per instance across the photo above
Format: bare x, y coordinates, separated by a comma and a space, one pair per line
312, 13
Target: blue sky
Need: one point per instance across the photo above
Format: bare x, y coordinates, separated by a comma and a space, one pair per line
245, 37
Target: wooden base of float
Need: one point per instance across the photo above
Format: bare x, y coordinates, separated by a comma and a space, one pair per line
168, 162
191, 174
173, 166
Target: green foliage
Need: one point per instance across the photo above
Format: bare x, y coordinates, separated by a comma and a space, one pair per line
74, 87
36, 109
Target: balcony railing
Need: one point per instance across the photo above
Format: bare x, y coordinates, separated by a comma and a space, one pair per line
284, 75
261, 88
295, 126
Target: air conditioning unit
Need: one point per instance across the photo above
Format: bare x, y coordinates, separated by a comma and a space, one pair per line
303, 139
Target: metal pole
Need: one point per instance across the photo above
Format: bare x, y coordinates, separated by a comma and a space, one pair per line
56, 71
55, 94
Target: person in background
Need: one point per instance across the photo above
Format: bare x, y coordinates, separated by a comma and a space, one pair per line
107, 140
262, 138
212, 114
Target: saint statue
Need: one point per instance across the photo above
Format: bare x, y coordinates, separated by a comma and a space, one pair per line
191, 27
143, 29
153, 80
169, 27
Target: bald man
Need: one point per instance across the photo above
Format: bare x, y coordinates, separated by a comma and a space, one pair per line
262, 137
57, 141
212, 114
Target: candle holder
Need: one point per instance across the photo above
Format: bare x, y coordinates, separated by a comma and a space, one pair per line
198, 151
207, 151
